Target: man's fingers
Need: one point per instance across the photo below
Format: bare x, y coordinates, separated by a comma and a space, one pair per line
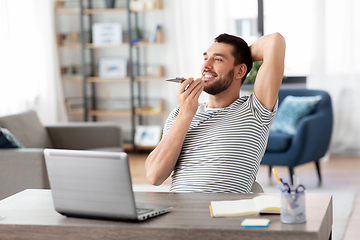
193, 85
191, 89
198, 90
184, 84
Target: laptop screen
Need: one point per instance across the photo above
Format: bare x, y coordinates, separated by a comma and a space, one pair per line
91, 184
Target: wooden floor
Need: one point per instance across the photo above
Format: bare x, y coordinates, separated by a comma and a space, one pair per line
337, 172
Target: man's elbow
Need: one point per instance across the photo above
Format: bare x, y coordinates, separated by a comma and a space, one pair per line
153, 179
279, 40
278, 37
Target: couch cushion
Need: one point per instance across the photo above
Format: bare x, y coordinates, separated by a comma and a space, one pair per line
291, 110
278, 142
27, 129
7, 140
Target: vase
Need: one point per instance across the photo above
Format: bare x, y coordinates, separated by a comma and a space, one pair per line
110, 3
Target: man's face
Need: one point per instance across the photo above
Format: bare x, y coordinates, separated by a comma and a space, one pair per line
218, 68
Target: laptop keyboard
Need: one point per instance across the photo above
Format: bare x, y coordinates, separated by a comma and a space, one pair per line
143, 210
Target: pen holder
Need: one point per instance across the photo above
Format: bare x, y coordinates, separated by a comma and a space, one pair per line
292, 207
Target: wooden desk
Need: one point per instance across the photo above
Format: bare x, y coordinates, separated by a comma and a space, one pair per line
30, 215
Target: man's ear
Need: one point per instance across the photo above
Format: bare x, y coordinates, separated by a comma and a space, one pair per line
240, 71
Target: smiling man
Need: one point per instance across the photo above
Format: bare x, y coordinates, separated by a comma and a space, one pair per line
217, 146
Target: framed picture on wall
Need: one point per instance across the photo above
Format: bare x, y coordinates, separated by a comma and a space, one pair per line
147, 136
113, 67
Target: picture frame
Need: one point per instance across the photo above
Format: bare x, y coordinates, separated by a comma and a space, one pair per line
115, 67
147, 136
107, 33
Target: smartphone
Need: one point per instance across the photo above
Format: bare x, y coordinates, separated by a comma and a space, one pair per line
176, 80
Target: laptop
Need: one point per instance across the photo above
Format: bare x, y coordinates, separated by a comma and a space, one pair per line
93, 184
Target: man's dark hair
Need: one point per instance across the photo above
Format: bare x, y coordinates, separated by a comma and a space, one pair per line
241, 51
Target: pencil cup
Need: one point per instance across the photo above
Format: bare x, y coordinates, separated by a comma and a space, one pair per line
292, 207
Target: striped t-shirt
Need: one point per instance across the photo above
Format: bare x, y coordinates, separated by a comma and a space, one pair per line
222, 149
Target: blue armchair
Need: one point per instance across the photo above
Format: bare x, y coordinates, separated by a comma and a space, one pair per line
311, 140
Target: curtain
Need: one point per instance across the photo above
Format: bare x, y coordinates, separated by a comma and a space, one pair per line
30, 77
336, 69
193, 26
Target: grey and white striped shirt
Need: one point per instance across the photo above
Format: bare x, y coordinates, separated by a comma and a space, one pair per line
222, 149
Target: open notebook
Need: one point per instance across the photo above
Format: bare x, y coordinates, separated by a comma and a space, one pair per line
246, 207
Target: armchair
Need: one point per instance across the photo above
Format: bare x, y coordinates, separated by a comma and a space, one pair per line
311, 140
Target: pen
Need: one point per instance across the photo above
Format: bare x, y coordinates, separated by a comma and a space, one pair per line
295, 211
275, 173
284, 190
286, 185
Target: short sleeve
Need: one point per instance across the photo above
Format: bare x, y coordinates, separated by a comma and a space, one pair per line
260, 112
170, 121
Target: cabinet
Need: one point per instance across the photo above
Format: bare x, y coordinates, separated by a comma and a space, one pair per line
89, 96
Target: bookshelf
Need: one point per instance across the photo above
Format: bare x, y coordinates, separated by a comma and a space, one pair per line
87, 104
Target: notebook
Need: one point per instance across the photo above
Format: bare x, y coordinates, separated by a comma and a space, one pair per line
264, 204
93, 184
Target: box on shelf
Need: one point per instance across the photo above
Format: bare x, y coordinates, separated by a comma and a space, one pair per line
144, 5
149, 70
148, 136
113, 67
107, 33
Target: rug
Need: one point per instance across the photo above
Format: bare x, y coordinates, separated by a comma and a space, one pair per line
343, 203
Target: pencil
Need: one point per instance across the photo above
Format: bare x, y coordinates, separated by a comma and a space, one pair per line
277, 177
211, 211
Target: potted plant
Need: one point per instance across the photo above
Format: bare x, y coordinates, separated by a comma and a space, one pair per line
250, 79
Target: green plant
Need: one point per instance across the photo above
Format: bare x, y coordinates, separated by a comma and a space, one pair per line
74, 69
250, 79
138, 33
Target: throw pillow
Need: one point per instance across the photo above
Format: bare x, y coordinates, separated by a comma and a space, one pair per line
291, 110
7, 140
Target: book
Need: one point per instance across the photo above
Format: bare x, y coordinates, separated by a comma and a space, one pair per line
265, 204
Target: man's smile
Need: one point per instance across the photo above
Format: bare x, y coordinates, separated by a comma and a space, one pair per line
209, 76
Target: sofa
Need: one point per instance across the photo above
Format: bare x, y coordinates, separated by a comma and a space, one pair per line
24, 167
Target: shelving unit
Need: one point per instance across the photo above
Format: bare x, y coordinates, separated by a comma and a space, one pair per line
88, 76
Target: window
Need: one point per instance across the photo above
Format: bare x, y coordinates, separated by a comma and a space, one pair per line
294, 20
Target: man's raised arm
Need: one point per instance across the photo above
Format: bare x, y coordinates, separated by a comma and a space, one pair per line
271, 50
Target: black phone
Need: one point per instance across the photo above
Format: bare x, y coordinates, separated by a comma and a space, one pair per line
176, 80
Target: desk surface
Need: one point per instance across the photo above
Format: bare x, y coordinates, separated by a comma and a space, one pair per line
30, 215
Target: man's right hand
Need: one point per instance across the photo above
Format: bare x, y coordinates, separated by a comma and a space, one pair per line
162, 160
188, 95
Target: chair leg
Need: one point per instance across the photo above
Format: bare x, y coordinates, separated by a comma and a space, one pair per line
291, 171
318, 169
270, 167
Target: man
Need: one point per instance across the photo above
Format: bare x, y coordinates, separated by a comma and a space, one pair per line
217, 146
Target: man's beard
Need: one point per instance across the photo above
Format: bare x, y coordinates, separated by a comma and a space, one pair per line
220, 85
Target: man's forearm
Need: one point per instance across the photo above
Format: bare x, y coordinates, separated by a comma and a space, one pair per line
161, 162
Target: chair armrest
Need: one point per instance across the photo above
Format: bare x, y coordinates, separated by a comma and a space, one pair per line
314, 133
20, 169
84, 136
